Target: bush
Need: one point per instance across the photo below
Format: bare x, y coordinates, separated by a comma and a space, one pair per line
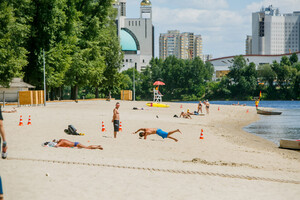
90, 96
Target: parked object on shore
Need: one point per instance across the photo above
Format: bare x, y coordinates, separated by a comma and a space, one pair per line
290, 144
265, 112
160, 105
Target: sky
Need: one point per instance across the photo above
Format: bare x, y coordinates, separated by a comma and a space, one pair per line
223, 24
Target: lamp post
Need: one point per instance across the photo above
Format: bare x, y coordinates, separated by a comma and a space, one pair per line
44, 77
134, 81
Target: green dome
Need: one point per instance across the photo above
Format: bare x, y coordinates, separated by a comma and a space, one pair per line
127, 41
146, 3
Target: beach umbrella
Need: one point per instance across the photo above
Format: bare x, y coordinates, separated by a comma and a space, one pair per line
158, 83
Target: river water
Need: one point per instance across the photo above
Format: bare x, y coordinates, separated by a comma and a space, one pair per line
276, 127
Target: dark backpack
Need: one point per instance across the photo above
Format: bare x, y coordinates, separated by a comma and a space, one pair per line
72, 130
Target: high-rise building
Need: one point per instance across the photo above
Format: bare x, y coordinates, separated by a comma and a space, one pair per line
275, 33
136, 35
181, 45
249, 45
168, 44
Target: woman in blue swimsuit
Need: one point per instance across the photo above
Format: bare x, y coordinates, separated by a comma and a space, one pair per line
150, 131
67, 143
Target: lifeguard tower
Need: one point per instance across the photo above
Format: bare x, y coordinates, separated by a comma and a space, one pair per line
157, 96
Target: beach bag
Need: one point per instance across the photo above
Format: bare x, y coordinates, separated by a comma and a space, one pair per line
72, 130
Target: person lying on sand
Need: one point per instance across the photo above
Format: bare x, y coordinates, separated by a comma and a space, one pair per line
10, 111
185, 115
151, 131
67, 143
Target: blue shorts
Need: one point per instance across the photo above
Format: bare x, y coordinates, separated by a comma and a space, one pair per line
75, 144
161, 133
1, 191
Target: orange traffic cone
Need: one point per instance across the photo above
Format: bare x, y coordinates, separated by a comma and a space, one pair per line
219, 108
120, 128
21, 121
201, 135
181, 106
29, 120
103, 127
247, 111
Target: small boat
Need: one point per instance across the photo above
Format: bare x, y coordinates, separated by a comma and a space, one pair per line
265, 112
290, 144
159, 105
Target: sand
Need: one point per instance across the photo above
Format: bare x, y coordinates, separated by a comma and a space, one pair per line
228, 163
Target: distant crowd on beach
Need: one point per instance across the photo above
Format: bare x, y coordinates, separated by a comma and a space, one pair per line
187, 115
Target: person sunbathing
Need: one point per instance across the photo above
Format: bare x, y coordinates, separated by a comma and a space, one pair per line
151, 131
67, 143
185, 115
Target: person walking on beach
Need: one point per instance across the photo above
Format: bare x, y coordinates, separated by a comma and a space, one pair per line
150, 131
199, 106
116, 119
2, 134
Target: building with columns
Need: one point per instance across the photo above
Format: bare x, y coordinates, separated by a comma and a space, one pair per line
136, 35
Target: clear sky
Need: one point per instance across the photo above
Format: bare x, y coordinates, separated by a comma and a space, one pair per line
223, 24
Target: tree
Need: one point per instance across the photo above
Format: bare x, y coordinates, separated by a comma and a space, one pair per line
244, 78
293, 58
14, 31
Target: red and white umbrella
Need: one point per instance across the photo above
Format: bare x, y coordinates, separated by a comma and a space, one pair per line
158, 83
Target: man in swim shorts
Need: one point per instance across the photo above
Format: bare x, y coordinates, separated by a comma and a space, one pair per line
67, 143
116, 119
150, 131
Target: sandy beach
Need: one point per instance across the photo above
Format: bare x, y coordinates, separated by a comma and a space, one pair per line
228, 163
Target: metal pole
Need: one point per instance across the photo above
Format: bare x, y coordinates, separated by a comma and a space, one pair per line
134, 82
3, 99
44, 77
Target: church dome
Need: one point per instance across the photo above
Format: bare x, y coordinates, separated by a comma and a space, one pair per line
127, 41
146, 3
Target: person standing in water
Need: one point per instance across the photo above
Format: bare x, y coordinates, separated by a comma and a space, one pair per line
116, 119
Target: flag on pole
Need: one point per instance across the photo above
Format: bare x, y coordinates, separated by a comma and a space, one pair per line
259, 94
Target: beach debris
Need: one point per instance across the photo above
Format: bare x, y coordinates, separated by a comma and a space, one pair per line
21, 121
120, 128
47, 174
201, 135
157, 116
103, 127
29, 120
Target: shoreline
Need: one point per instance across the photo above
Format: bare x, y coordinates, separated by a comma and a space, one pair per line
227, 151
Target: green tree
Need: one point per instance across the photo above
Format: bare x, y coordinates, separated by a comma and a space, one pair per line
294, 58
244, 78
14, 31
